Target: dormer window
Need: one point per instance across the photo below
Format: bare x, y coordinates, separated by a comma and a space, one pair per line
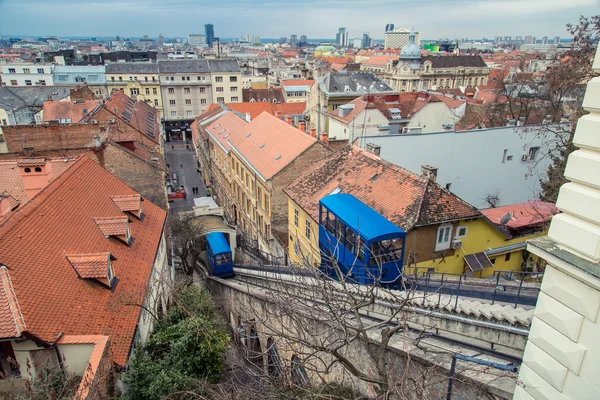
93, 266
131, 204
116, 227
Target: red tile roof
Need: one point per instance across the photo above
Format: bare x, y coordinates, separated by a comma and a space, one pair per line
12, 323
94, 265
298, 82
74, 111
267, 142
137, 114
131, 203
112, 226
379, 61
258, 107
403, 197
522, 214
58, 221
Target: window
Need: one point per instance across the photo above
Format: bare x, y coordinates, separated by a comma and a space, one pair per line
40, 70
219, 89
233, 79
171, 90
147, 91
219, 79
202, 101
220, 99
183, 78
146, 78
443, 237
188, 102
187, 78
12, 71
172, 102
42, 82
296, 217
507, 257
13, 82
533, 153
26, 70
155, 103
154, 91
28, 83
173, 113
235, 99
202, 89
188, 114
299, 375
186, 90
233, 88
112, 78
134, 91
172, 78
461, 232
120, 79
307, 222
153, 79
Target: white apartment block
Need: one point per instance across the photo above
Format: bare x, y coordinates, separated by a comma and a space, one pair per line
26, 74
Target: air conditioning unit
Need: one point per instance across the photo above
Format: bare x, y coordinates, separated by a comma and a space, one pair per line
525, 157
94, 122
456, 244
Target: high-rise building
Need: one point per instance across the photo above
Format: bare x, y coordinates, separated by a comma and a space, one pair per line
399, 37
283, 40
366, 41
342, 37
528, 39
389, 27
209, 31
161, 40
294, 41
303, 40
545, 40
556, 40
196, 40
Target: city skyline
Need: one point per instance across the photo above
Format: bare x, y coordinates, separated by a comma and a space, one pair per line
487, 18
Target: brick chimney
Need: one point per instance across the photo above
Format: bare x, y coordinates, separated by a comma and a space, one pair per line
288, 120
278, 114
429, 172
36, 173
313, 132
302, 126
325, 138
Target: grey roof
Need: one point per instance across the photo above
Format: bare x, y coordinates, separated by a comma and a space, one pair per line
10, 101
455, 61
35, 96
131, 68
90, 69
353, 82
183, 66
197, 66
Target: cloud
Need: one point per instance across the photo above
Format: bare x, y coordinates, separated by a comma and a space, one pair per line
275, 18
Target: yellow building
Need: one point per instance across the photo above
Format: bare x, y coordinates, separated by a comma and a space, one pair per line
444, 233
139, 81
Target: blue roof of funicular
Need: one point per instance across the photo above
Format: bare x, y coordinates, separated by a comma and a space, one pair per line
218, 243
363, 219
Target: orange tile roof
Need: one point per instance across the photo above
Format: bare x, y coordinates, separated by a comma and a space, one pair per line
298, 82
267, 142
112, 226
522, 214
12, 323
403, 197
11, 182
379, 61
137, 114
58, 221
131, 203
75, 111
255, 108
94, 265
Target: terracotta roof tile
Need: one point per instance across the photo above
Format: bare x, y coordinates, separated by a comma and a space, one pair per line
112, 226
12, 323
138, 114
31, 162
522, 214
58, 221
298, 82
73, 111
403, 197
93, 265
132, 203
258, 107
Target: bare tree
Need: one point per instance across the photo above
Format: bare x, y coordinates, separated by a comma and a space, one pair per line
189, 240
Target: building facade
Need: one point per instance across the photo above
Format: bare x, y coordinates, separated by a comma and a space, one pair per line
296, 91
92, 75
26, 74
140, 81
399, 37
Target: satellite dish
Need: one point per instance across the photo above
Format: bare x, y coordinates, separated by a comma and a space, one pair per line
505, 219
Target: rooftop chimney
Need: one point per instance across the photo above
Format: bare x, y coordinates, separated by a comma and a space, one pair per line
278, 114
313, 132
288, 120
325, 138
36, 173
248, 119
302, 126
97, 141
430, 172
374, 148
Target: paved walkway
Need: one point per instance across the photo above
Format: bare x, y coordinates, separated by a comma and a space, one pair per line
181, 161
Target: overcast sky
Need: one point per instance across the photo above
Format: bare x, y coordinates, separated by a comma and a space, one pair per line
275, 18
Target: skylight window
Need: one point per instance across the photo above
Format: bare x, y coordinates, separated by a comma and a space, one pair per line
216, 126
248, 135
337, 190
226, 136
375, 177
278, 157
222, 131
261, 146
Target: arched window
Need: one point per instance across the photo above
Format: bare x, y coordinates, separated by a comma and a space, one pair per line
275, 366
38, 169
299, 375
241, 333
27, 170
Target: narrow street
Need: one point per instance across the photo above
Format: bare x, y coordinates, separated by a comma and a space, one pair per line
181, 161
